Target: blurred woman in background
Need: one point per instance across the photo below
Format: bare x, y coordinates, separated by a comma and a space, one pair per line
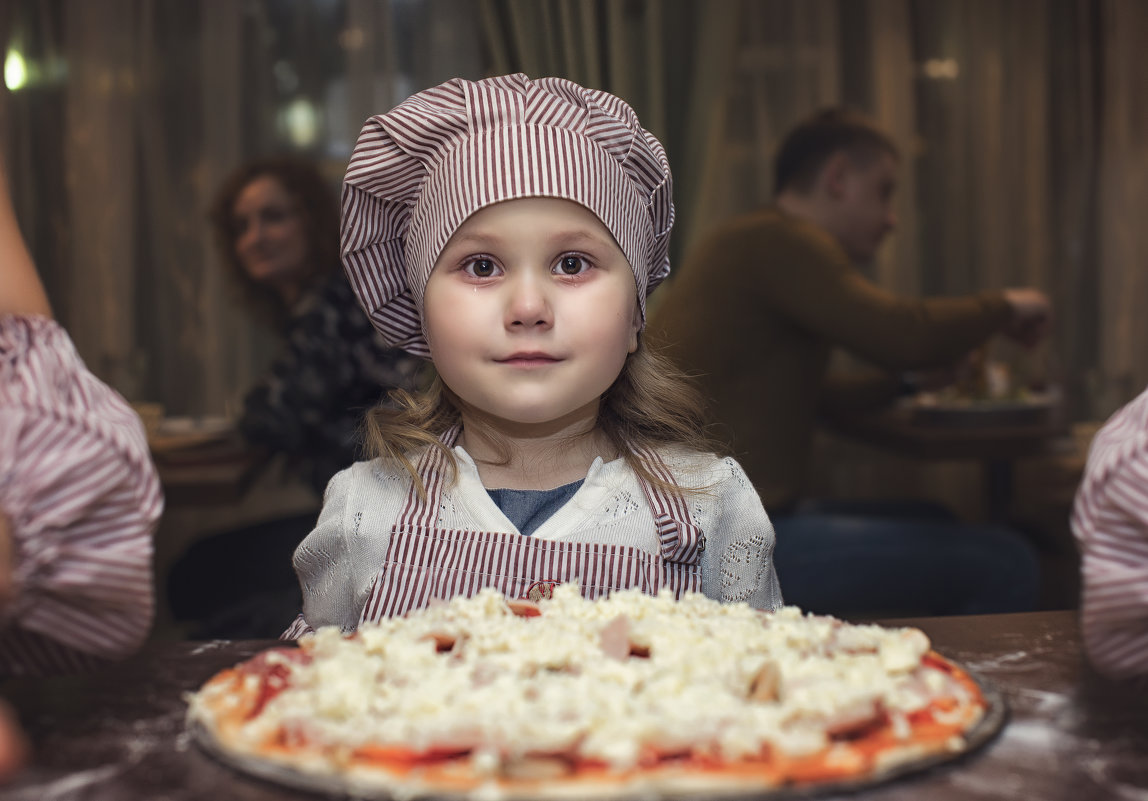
276, 223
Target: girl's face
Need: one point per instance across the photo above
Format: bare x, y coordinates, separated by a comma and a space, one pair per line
530, 312
270, 235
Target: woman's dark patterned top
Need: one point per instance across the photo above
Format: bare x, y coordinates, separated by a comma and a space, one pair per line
334, 367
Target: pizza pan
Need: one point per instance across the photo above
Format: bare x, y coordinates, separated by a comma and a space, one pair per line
996, 713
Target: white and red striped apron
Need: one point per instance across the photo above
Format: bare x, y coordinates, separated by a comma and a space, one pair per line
424, 562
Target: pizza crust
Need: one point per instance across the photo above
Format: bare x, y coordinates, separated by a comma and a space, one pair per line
260, 717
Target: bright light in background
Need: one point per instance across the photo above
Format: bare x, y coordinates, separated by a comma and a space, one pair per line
300, 120
941, 69
15, 70
352, 38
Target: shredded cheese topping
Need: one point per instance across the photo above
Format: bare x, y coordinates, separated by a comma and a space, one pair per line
606, 681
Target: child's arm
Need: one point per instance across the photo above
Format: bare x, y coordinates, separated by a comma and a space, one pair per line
1110, 521
737, 564
79, 496
20, 289
81, 499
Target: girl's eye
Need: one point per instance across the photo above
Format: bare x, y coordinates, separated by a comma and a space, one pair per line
572, 265
481, 268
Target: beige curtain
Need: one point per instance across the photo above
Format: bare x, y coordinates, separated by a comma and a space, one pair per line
116, 155
888, 76
787, 65
99, 119
1121, 259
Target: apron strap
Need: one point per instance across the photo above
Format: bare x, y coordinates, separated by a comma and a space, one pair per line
424, 562
431, 468
681, 539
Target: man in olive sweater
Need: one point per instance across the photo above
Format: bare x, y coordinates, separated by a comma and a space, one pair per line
764, 299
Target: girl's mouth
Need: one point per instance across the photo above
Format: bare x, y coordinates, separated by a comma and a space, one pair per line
529, 360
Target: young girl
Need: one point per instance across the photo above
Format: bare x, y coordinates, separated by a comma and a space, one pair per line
510, 230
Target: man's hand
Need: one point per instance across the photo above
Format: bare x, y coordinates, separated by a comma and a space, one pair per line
1031, 315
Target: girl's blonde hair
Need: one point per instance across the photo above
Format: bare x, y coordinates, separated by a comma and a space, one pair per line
650, 404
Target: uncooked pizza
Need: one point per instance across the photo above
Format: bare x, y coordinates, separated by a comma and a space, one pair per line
487, 698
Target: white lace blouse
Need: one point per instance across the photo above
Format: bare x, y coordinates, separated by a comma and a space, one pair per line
338, 561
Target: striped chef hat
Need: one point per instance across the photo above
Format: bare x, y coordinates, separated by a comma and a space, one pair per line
418, 171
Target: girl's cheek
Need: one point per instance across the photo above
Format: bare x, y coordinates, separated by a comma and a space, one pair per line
431, 304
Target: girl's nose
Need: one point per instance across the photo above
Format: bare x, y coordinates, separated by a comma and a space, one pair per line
528, 305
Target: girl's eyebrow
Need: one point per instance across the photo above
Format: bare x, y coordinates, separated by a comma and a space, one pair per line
474, 239
581, 236
571, 238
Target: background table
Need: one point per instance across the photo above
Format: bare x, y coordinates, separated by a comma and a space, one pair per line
995, 444
212, 473
212, 487
119, 736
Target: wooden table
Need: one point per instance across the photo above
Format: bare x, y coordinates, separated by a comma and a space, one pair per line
996, 444
119, 735
211, 473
